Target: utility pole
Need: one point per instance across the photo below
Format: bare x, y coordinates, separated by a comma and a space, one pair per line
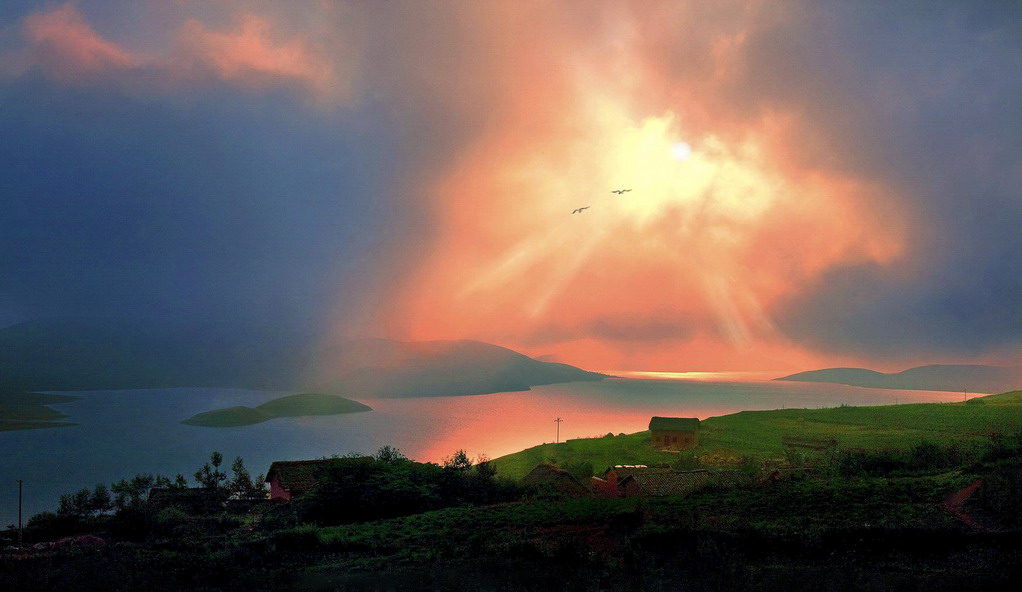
966, 393
21, 531
558, 422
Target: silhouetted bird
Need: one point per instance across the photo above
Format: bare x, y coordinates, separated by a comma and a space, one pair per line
579, 210
620, 191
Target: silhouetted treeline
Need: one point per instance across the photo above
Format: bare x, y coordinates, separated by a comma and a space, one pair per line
360, 489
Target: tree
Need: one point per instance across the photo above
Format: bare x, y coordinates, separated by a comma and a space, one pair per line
143, 483
458, 462
135, 492
389, 454
100, 501
66, 505
180, 482
483, 466
210, 476
242, 481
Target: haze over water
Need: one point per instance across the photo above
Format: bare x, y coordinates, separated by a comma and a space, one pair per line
121, 433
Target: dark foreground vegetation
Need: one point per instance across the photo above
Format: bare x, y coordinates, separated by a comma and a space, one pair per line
928, 516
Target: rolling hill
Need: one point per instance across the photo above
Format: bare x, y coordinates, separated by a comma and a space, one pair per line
757, 435
385, 368
936, 377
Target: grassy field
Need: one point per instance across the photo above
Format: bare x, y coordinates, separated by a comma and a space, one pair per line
290, 406
756, 435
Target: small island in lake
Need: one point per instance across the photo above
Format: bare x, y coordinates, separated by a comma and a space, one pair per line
29, 411
299, 405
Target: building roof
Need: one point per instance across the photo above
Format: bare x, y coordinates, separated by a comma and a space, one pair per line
547, 473
298, 475
674, 424
661, 483
623, 471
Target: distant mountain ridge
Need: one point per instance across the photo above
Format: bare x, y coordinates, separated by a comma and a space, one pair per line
386, 368
935, 377
76, 354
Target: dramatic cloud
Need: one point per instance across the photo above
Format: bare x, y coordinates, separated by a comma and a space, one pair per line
67, 47
247, 55
811, 183
250, 53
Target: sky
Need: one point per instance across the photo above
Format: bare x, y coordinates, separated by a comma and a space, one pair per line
811, 183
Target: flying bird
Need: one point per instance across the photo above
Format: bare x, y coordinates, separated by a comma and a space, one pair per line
579, 210
620, 191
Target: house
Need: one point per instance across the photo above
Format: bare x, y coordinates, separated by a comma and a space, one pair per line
554, 480
290, 478
616, 473
603, 488
607, 486
674, 433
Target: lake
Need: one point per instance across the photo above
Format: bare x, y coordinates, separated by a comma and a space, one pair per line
122, 433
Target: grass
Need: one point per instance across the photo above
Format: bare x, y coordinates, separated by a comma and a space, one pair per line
299, 405
756, 435
582, 535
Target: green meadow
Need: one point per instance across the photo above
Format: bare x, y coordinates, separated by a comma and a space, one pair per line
756, 435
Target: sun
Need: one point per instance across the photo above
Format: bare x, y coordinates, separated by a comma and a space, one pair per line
681, 151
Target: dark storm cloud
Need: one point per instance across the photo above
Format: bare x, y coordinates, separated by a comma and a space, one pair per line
924, 98
215, 205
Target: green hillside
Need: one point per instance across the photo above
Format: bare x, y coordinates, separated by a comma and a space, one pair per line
756, 435
299, 405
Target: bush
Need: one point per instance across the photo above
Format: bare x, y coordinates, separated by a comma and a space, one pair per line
48, 525
1001, 493
364, 489
921, 458
171, 521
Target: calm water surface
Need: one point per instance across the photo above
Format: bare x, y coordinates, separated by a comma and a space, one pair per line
121, 433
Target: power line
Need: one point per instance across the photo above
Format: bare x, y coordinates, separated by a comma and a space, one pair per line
21, 531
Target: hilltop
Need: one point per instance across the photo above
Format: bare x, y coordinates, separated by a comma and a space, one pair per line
756, 435
387, 368
935, 377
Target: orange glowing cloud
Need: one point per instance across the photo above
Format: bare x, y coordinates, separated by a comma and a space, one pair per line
682, 272
253, 55
249, 55
68, 47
